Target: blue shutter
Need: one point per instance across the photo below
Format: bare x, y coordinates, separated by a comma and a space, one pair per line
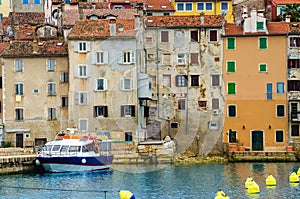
75, 45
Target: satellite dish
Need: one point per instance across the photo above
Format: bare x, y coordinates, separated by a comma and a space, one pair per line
224, 13
55, 13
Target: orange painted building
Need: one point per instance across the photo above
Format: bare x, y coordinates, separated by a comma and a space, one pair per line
255, 78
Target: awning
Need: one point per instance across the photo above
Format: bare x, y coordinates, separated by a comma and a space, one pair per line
16, 130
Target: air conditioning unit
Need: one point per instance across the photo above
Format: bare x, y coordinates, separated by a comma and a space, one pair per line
215, 112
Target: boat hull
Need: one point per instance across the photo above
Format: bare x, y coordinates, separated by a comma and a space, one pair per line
74, 164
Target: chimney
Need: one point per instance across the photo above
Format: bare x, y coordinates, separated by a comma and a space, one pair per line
288, 18
202, 18
253, 20
137, 22
112, 27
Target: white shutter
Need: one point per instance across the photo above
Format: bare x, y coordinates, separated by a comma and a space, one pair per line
75, 45
76, 98
132, 56
120, 57
88, 46
105, 57
122, 84
131, 83
76, 71
94, 58
89, 70
105, 84
85, 98
95, 84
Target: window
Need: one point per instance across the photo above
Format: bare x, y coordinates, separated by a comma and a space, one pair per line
166, 81
149, 39
263, 43
224, 6
101, 84
260, 25
19, 113
181, 104
231, 43
81, 98
64, 77
294, 41
25, 1
269, 91
51, 65
194, 58
262, 67
37, 1
232, 111
180, 6
293, 63
204, 6
213, 35
279, 135
64, 101
230, 66
232, 136
194, 36
279, 87
83, 125
181, 80
82, 71
19, 65
293, 85
295, 130
99, 57
214, 125
200, 6
127, 111
51, 88
208, 6
194, 80
126, 57
82, 47
166, 59
202, 104
51, 114
164, 37
127, 84
180, 58
19, 89
128, 136
294, 111
215, 103
100, 111
188, 6
231, 88
215, 80
280, 110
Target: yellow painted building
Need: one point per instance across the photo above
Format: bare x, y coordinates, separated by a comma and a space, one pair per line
255, 78
5, 7
185, 8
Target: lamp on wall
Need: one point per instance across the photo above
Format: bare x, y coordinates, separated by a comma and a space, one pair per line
270, 126
244, 127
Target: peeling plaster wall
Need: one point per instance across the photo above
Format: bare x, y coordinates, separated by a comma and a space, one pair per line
194, 120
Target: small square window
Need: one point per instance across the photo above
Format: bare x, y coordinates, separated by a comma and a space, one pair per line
202, 104
279, 135
215, 80
213, 35
100, 111
214, 125
231, 111
194, 80
230, 66
224, 6
164, 36
181, 104
262, 67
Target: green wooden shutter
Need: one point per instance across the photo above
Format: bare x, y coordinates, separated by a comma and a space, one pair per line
231, 88
230, 66
262, 43
230, 43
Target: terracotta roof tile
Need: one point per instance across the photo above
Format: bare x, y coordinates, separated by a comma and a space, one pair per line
273, 28
286, 2
121, 14
32, 18
126, 1
101, 28
24, 31
90, 5
70, 16
30, 49
175, 21
161, 5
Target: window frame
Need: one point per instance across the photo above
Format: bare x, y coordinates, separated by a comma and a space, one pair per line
19, 88
19, 114
51, 88
222, 4
231, 43
19, 65
231, 114
127, 110
262, 46
52, 113
64, 77
211, 33
82, 47
280, 88
215, 78
83, 122
181, 104
229, 87
64, 101
82, 71
181, 80
104, 84
229, 67
262, 66
195, 80
123, 83
181, 58
51, 65
280, 113
277, 136
100, 111
164, 36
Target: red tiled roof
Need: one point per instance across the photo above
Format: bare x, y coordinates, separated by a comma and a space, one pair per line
121, 14
32, 18
284, 2
24, 31
70, 16
273, 28
101, 28
126, 1
161, 5
30, 48
98, 5
173, 21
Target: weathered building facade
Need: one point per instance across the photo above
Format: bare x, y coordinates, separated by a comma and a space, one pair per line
184, 58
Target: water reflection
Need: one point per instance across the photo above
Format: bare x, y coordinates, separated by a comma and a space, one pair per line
162, 182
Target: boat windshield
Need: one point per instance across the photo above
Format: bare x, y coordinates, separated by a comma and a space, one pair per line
64, 148
47, 147
56, 147
74, 148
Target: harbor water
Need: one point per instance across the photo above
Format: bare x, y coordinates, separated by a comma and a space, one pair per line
156, 181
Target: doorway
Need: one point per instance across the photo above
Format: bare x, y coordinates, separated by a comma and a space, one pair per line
257, 140
19, 140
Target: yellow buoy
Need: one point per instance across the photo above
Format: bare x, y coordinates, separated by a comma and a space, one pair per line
221, 195
270, 180
124, 194
298, 172
294, 177
249, 180
253, 188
